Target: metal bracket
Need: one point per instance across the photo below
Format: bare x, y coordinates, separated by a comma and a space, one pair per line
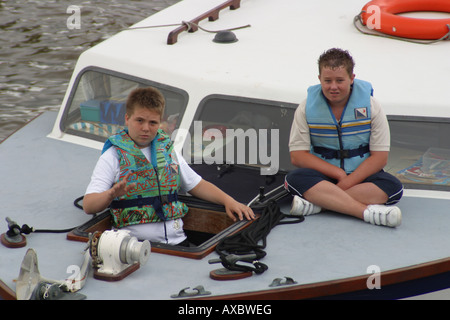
233, 258
53, 291
277, 282
199, 291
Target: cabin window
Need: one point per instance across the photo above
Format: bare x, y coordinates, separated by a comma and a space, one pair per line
97, 104
242, 131
420, 152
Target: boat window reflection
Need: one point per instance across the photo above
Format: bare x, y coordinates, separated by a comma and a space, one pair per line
420, 152
239, 129
97, 104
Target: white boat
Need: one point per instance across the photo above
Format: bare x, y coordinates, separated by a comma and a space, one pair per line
254, 81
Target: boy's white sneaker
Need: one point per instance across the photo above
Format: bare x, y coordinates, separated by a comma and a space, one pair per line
389, 216
302, 207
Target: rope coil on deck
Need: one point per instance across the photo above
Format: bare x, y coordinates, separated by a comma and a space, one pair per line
246, 243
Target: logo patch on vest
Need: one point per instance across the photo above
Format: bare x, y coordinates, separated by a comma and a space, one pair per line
173, 168
361, 113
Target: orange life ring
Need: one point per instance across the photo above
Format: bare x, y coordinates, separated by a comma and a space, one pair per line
382, 16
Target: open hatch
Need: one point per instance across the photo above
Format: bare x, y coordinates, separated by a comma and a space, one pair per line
206, 223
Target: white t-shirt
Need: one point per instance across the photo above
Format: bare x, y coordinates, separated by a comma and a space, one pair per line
107, 172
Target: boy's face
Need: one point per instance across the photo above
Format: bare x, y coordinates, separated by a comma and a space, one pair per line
143, 125
336, 84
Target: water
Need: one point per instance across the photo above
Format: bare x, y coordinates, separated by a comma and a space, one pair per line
38, 50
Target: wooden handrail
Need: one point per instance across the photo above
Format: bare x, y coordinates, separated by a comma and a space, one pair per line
212, 15
6, 293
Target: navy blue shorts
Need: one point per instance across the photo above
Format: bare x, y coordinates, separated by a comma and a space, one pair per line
301, 180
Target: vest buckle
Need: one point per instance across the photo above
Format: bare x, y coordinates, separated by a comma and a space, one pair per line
342, 154
164, 199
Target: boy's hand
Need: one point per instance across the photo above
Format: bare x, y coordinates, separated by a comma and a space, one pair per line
122, 187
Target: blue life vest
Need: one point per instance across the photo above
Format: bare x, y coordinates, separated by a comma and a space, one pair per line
344, 144
155, 197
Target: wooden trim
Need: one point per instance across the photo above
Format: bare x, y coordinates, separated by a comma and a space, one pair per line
206, 220
8, 244
197, 219
116, 277
347, 285
6, 293
103, 223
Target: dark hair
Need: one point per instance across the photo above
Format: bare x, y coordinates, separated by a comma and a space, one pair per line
149, 98
335, 58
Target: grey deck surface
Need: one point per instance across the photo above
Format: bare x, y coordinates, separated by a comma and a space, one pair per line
41, 177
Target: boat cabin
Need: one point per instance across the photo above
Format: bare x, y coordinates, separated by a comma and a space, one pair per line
229, 124
229, 109
224, 97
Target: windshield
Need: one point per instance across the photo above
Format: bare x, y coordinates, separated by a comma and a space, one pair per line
420, 152
240, 131
97, 104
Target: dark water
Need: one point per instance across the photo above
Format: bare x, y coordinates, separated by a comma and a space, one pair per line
39, 48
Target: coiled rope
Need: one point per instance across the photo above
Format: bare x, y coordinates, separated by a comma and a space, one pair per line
252, 240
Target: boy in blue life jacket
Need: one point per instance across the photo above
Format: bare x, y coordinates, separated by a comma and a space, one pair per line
340, 142
139, 176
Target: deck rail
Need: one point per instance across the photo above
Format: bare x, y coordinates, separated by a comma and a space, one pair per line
192, 25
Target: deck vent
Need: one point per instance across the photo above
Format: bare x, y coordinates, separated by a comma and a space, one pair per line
225, 37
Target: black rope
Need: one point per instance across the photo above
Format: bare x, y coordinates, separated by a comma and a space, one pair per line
76, 202
15, 229
26, 229
247, 242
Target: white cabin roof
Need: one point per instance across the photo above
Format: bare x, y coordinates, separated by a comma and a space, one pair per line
276, 57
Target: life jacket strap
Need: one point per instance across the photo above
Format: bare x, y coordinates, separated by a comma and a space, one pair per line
156, 202
342, 154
